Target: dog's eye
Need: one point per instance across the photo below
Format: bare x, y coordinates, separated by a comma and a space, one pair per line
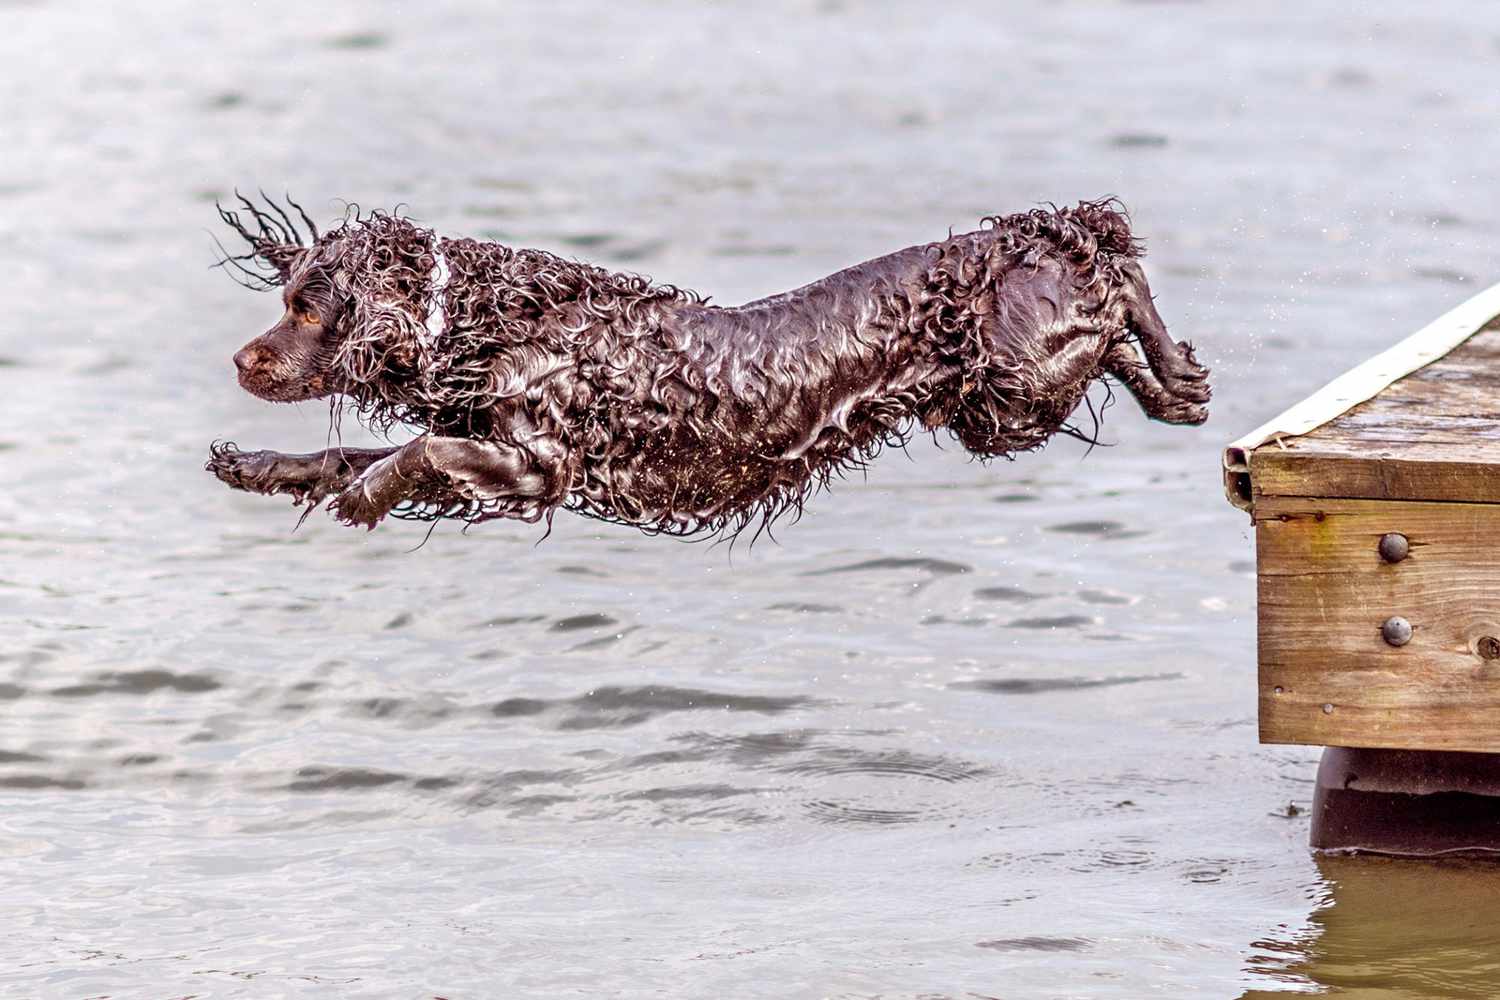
311, 316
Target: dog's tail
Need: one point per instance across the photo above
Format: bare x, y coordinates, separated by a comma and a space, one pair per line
1089, 234
1108, 223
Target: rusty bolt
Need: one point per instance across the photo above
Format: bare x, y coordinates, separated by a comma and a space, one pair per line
1394, 547
1489, 647
1396, 630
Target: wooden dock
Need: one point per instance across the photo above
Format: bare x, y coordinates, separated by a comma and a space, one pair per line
1376, 505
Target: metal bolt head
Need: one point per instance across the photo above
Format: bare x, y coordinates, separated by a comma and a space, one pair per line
1396, 630
1394, 547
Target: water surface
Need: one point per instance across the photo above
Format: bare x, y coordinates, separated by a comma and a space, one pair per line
966, 731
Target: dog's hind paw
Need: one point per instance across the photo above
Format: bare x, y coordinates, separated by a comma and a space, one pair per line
1182, 411
1185, 378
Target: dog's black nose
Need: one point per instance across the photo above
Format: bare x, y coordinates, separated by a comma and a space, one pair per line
244, 359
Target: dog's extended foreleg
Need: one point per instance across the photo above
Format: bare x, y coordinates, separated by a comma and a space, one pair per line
306, 478
1126, 366
1172, 361
437, 469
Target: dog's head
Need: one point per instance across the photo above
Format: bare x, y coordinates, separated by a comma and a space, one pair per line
296, 358
355, 303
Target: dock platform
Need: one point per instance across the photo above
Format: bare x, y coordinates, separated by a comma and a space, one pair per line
1376, 505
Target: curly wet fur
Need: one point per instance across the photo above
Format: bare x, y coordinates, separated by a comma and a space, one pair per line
642, 404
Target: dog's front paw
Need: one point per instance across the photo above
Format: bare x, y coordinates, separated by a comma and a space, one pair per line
372, 496
355, 507
253, 471
307, 479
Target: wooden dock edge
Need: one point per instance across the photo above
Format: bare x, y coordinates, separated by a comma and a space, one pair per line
1377, 592
1357, 385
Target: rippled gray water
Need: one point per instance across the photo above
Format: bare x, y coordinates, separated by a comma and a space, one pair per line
964, 732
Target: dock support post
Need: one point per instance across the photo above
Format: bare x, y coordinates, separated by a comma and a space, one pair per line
1407, 802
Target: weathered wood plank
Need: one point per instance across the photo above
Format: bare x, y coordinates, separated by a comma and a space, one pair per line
1431, 436
1448, 348
1327, 676
1375, 476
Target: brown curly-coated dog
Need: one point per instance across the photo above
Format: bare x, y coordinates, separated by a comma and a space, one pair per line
541, 383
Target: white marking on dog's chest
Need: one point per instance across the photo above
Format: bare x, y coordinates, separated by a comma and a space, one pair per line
438, 280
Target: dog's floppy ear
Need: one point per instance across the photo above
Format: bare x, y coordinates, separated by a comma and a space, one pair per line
275, 242
384, 336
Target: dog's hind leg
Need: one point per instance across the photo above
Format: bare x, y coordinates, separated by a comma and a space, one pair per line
440, 470
1171, 361
1159, 402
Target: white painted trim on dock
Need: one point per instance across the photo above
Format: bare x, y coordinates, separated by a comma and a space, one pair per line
1362, 382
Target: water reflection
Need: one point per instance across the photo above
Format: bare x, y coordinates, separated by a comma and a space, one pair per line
1392, 928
